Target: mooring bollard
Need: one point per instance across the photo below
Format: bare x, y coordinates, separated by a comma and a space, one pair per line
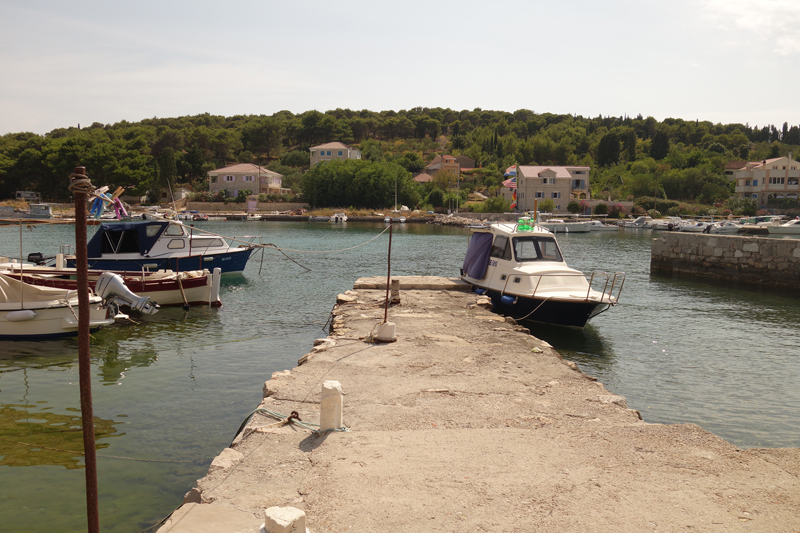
395, 291
284, 520
330, 416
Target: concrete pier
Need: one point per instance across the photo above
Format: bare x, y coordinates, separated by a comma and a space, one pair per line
468, 423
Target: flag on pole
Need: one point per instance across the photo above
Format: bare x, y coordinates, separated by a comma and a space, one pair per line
514, 199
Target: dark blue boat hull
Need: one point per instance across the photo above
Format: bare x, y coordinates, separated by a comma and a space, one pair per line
231, 261
573, 314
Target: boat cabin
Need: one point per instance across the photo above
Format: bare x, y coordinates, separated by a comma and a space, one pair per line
141, 238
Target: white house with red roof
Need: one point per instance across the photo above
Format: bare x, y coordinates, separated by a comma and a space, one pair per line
245, 176
765, 180
331, 151
560, 184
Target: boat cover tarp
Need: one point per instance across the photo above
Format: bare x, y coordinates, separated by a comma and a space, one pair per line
14, 291
124, 237
477, 259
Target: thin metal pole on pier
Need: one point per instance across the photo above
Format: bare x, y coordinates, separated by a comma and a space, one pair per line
388, 275
81, 186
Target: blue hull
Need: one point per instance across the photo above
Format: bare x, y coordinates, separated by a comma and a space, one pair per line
228, 262
573, 314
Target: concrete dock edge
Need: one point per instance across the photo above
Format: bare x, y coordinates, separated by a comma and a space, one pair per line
468, 423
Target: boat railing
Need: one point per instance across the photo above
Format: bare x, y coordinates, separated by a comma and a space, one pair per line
67, 249
612, 282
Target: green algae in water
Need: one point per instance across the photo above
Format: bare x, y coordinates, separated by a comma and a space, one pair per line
42, 438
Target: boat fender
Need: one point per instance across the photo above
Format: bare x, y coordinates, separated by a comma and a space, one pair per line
21, 315
480, 292
508, 300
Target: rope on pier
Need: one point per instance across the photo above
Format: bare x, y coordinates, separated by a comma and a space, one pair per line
283, 420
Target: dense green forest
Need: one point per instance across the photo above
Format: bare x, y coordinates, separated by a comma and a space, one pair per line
675, 159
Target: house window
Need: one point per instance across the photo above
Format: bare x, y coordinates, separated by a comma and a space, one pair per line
247, 178
747, 183
329, 152
340, 152
213, 179
776, 181
755, 182
313, 153
539, 195
544, 180
556, 195
230, 178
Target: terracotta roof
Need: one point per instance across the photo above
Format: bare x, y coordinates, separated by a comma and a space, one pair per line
423, 178
332, 146
241, 168
534, 171
436, 161
465, 162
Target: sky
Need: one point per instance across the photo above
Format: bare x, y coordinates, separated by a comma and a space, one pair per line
79, 62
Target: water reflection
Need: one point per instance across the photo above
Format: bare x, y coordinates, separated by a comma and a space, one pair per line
587, 347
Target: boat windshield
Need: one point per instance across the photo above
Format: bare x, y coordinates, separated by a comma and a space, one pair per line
536, 249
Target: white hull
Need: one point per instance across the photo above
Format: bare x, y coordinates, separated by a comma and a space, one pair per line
566, 227
30, 312
790, 228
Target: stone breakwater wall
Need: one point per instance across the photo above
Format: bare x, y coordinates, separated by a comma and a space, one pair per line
766, 261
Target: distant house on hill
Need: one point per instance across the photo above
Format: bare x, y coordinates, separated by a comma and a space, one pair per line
560, 184
770, 179
245, 176
423, 178
449, 163
330, 151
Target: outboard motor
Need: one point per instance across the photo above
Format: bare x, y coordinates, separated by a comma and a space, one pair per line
36, 257
111, 287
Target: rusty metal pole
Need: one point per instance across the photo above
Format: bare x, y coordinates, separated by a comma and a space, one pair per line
388, 275
84, 363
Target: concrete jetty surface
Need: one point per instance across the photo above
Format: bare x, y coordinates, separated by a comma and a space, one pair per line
466, 423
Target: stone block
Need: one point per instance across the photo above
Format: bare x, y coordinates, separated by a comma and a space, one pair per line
331, 406
750, 247
227, 459
284, 520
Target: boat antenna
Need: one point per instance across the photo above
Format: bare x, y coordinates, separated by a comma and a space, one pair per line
174, 207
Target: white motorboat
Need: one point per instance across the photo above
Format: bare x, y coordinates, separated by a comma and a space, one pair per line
164, 288
31, 312
788, 228
556, 225
696, 227
521, 268
642, 222
596, 225
163, 245
725, 227
667, 224
339, 217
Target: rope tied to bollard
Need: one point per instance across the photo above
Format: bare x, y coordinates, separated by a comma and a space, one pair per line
292, 418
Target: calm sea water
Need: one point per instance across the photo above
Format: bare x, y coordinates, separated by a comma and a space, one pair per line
170, 390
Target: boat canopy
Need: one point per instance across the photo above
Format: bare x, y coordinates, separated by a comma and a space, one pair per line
477, 259
126, 237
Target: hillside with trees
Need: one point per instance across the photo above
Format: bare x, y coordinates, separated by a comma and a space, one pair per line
629, 156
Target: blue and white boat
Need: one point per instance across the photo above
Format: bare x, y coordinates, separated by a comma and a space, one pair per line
162, 245
521, 268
